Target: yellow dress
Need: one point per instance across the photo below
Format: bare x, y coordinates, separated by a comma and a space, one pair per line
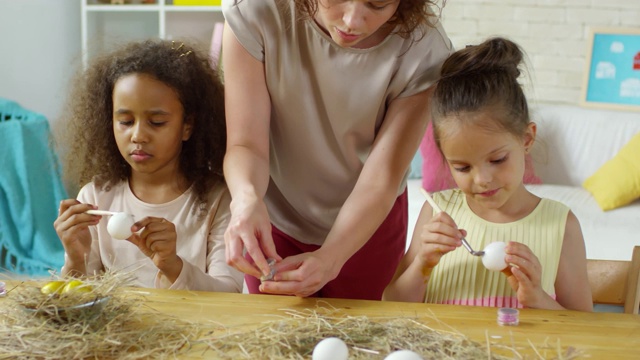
460, 278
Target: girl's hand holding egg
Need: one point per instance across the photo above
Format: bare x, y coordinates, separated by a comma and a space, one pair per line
524, 275
156, 238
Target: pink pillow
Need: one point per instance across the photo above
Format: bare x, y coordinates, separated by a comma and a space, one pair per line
436, 175
530, 172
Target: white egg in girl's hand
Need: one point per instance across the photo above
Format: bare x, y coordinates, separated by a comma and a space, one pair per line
403, 355
119, 226
331, 348
493, 258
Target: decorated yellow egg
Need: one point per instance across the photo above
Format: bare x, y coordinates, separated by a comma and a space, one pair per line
76, 286
52, 287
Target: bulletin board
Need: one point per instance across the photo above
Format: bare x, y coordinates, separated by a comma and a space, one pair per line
612, 76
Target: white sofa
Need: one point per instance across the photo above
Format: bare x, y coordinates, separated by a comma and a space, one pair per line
573, 142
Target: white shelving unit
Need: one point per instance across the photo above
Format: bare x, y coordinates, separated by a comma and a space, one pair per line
106, 25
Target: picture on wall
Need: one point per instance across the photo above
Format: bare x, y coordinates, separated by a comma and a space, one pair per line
612, 76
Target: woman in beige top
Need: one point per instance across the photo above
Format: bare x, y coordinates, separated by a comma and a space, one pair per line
326, 103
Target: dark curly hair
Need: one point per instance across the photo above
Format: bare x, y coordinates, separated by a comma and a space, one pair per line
92, 152
410, 14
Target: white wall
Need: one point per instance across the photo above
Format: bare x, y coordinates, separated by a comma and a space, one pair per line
40, 42
39, 52
553, 33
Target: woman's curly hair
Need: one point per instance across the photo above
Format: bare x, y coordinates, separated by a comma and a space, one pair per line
91, 150
410, 14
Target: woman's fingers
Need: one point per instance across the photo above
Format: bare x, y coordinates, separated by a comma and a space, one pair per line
300, 275
234, 252
269, 247
255, 252
258, 245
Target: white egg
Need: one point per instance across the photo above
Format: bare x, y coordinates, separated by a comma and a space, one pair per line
493, 258
119, 226
403, 355
331, 348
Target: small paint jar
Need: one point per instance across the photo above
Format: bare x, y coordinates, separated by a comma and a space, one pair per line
508, 317
3, 289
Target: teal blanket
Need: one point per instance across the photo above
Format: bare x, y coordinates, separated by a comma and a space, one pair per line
30, 191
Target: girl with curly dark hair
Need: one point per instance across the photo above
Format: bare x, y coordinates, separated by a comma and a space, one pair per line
326, 103
146, 134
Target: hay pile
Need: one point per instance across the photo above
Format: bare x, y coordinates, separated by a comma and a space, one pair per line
367, 338
295, 337
117, 325
114, 325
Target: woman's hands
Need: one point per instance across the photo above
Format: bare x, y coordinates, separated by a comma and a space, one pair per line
72, 227
246, 163
157, 240
303, 274
250, 229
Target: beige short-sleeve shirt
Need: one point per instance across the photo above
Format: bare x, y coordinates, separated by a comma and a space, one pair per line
327, 105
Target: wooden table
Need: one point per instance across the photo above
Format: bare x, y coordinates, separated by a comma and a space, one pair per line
594, 335
540, 332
